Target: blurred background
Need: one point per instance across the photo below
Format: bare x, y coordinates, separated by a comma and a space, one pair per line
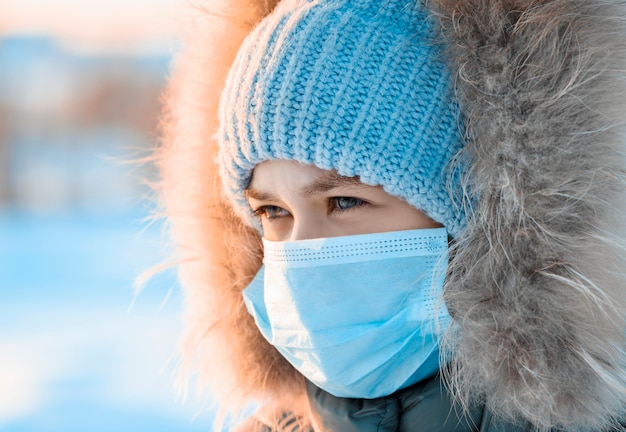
80, 349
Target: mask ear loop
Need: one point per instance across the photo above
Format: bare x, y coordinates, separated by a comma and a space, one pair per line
438, 306
443, 318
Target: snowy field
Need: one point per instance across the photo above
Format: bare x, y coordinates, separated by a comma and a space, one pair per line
78, 350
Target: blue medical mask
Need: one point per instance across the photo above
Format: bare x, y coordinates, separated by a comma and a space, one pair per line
359, 316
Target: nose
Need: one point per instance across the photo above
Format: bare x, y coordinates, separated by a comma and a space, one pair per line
307, 228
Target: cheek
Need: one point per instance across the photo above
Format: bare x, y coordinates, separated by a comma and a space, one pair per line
278, 229
402, 217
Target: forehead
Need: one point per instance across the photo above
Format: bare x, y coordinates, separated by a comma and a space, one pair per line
285, 174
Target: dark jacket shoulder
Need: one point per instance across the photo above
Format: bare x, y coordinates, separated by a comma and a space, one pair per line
424, 407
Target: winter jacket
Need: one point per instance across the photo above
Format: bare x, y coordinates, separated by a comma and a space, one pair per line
423, 407
536, 284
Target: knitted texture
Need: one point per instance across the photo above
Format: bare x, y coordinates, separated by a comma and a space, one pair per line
356, 86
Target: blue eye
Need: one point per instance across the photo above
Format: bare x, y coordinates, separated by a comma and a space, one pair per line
345, 203
271, 212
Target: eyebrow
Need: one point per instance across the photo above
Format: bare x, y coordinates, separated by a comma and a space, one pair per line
259, 195
327, 181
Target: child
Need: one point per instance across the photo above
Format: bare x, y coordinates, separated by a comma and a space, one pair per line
403, 215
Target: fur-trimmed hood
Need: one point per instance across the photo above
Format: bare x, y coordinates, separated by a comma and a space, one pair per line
537, 284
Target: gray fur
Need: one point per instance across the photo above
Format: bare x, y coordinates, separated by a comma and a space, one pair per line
537, 283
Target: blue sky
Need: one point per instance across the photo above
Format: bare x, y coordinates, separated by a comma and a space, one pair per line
97, 26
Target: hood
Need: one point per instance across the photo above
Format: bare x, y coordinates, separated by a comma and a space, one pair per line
536, 283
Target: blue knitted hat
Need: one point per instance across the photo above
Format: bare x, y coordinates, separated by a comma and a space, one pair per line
356, 86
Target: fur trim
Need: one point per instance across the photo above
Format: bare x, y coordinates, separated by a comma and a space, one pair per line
537, 283
217, 255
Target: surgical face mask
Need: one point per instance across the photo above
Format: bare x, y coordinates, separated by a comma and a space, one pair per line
359, 316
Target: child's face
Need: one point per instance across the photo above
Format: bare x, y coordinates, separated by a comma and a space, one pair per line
298, 202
